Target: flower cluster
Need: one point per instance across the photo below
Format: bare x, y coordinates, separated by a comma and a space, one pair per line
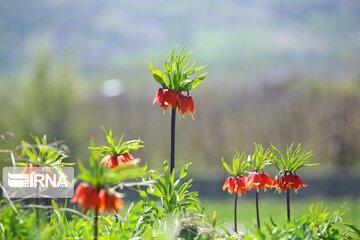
288, 181
89, 197
111, 161
242, 184
118, 151
30, 168
235, 185
169, 98
258, 181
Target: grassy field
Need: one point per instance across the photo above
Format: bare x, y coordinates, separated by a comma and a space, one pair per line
277, 209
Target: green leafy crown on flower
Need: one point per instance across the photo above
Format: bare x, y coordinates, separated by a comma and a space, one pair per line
100, 176
178, 75
117, 147
240, 164
260, 158
42, 153
294, 158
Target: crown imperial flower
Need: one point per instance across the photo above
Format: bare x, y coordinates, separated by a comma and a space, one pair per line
186, 104
235, 185
288, 181
258, 181
111, 161
89, 197
169, 98
86, 196
109, 202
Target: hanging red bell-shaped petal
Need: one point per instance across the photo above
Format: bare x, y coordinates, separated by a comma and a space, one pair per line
159, 97
109, 202
183, 105
265, 181
80, 193
110, 161
126, 157
191, 105
86, 196
298, 183
253, 181
170, 98
229, 185
240, 185
276, 184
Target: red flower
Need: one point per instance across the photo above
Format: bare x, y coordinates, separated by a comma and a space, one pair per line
126, 157
235, 185
298, 183
288, 181
112, 161
166, 98
159, 97
86, 196
258, 181
191, 105
186, 104
109, 202
229, 185
89, 197
240, 185
31, 168
169, 98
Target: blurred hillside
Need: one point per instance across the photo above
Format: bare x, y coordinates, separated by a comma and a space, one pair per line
278, 73
251, 38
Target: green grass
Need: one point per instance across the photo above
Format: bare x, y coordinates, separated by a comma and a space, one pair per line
277, 209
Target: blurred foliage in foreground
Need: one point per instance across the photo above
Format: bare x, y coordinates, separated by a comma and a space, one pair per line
51, 98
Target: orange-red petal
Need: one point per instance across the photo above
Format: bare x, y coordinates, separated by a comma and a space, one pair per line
191, 105
253, 181
229, 185
159, 97
110, 161
86, 196
240, 185
170, 98
109, 202
183, 104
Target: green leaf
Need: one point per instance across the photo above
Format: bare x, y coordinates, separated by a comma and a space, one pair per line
354, 228
310, 164
226, 166
143, 194
156, 74
166, 166
123, 172
183, 171
177, 73
198, 79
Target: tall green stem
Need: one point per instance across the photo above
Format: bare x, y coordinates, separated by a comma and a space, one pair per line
37, 211
172, 140
257, 208
288, 204
235, 213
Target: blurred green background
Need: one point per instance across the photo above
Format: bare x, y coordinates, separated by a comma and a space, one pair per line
279, 72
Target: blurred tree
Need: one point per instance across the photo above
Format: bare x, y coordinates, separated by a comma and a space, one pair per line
46, 99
